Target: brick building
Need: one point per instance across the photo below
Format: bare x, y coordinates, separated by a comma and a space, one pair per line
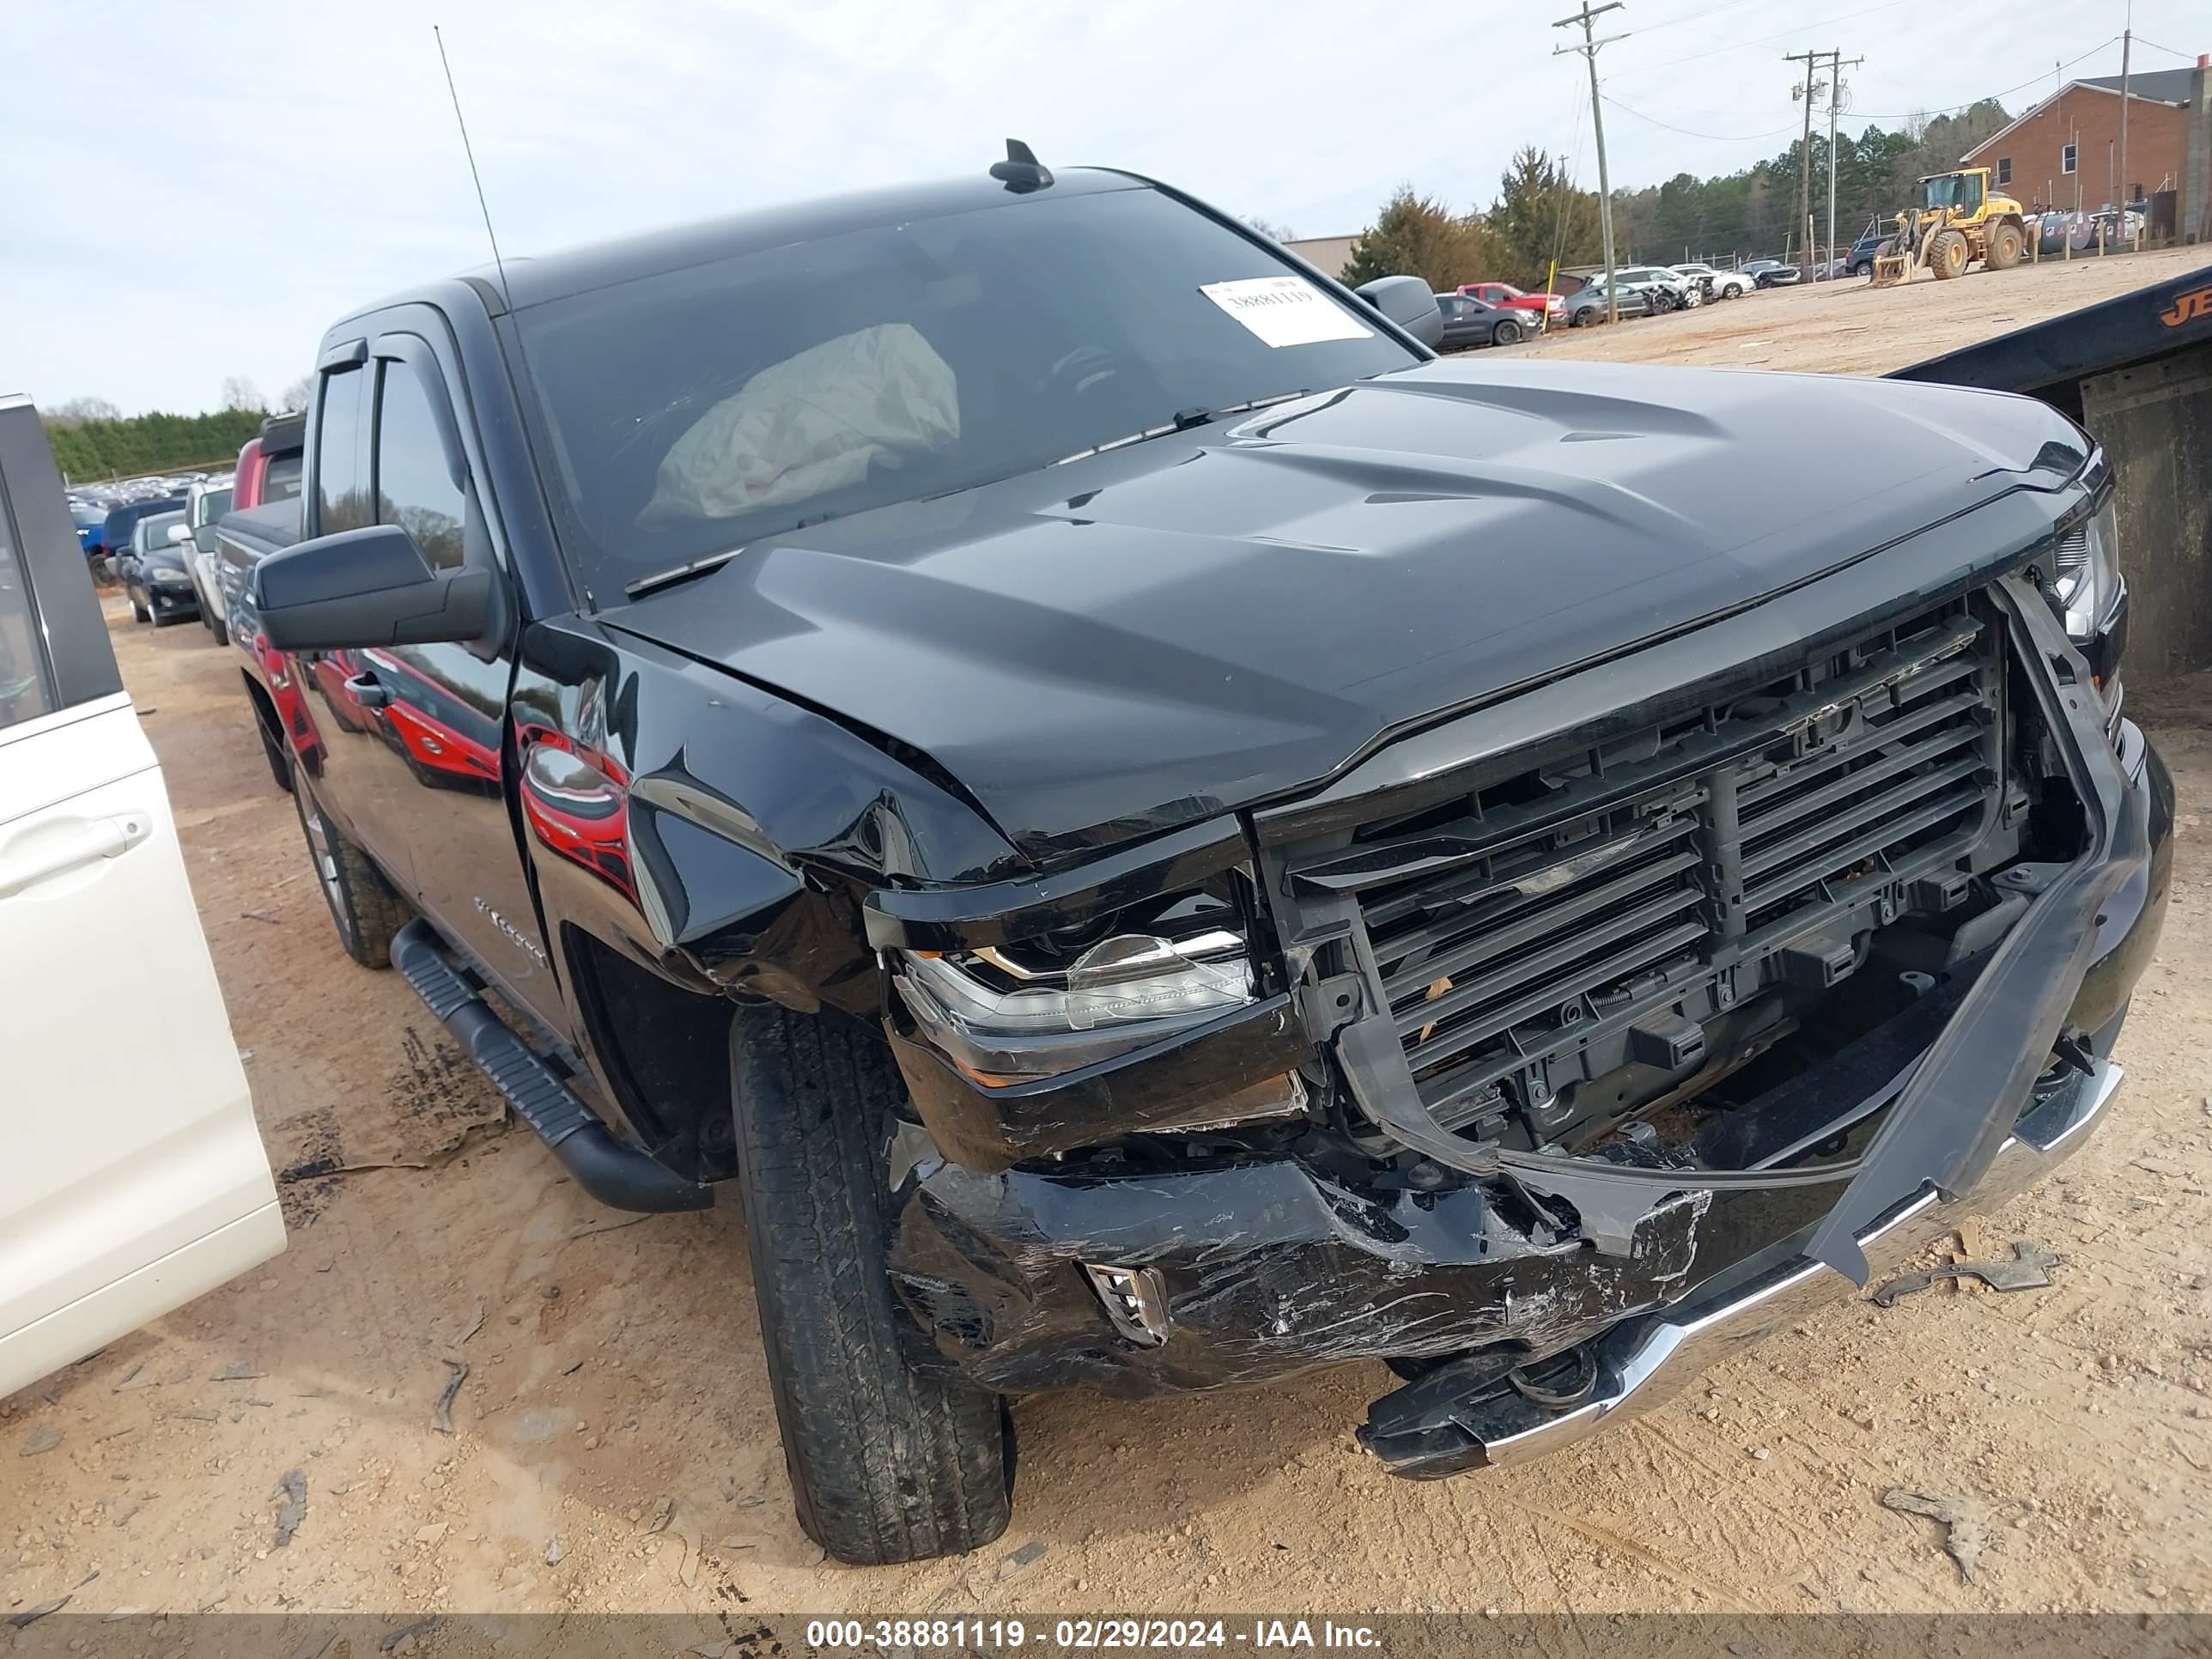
2065, 152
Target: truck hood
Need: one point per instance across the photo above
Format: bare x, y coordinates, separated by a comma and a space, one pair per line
1109, 647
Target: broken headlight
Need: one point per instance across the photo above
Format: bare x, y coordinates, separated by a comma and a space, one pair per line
2086, 582
1042, 1007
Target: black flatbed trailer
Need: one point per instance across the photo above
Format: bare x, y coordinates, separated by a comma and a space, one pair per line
2136, 371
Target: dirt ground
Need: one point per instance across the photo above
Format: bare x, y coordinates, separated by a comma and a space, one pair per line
1850, 328
613, 1446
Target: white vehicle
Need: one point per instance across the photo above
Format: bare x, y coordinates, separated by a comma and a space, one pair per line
1716, 284
135, 1178
205, 502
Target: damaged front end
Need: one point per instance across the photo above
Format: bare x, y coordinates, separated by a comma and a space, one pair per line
1551, 1049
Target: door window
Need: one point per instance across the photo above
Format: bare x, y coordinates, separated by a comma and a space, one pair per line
26, 693
342, 498
414, 488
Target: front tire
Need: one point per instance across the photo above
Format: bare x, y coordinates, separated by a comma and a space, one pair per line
139, 612
364, 908
2007, 244
1506, 333
893, 1455
1947, 255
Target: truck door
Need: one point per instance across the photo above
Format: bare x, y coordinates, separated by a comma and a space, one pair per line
134, 1178
355, 761
445, 706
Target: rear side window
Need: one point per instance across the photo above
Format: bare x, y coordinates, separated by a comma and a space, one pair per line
25, 691
280, 481
342, 497
414, 490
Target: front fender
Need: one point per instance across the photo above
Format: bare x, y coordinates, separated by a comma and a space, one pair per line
714, 832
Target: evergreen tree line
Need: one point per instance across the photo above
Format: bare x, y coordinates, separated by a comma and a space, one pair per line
1540, 216
124, 447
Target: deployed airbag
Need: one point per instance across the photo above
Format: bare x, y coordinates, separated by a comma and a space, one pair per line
811, 423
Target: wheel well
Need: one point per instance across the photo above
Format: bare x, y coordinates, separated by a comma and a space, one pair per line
263, 709
665, 1053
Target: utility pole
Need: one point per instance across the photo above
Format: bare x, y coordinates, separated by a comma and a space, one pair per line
2127, 40
1588, 50
1836, 67
1804, 147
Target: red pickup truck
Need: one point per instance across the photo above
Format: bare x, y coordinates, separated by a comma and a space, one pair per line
1505, 294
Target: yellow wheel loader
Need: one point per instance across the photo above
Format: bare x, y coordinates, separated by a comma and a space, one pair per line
1955, 220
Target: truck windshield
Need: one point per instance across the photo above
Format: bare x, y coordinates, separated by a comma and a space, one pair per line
693, 411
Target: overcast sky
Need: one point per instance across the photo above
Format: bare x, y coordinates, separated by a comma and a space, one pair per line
192, 189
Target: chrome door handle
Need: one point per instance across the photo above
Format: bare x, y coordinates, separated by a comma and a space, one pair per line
104, 838
369, 691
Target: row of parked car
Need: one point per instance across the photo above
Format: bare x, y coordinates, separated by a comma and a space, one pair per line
159, 544
1655, 291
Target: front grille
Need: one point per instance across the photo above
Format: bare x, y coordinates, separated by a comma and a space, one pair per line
1675, 871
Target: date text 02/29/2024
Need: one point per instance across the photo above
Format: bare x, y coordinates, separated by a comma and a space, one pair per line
1086, 1634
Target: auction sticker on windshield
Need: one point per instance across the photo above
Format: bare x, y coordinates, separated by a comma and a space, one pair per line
1285, 311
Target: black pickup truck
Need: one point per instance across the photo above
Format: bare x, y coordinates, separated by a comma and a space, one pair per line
1163, 836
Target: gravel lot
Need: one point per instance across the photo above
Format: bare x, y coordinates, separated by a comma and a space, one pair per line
614, 1446
1850, 328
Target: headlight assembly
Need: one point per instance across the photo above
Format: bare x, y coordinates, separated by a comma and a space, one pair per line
1009, 1014
2087, 580
166, 576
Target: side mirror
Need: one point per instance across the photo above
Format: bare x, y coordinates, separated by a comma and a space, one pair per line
365, 587
1406, 301
180, 532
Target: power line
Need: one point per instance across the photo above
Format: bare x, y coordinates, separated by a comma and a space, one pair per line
1716, 137
2006, 92
1762, 39
2186, 57
1670, 22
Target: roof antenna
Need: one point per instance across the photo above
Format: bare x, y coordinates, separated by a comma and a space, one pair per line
1021, 171
469, 150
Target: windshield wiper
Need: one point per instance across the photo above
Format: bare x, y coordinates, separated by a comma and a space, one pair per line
682, 573
1183, 421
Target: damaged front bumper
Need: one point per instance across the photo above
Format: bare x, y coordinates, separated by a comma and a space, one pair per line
1266, 1267
1531, 1303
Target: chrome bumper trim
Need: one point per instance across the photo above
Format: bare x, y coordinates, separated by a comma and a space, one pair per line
1646, 1364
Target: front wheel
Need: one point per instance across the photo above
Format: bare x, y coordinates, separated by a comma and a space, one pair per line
365, 909
893, 1455
1947, 255
1506, 333
2007, 244
140, 612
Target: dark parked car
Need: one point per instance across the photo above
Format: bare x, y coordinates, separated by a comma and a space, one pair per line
1587, 305
154, 572
1165, 836
115, 530
1860, 260
1771, 273
1472, 322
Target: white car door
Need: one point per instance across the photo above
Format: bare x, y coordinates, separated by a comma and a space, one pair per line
133, 1176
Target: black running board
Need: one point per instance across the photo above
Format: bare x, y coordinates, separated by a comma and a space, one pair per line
616, 1174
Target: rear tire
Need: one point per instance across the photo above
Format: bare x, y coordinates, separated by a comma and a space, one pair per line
2007, 243
893, 1455
364, 908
